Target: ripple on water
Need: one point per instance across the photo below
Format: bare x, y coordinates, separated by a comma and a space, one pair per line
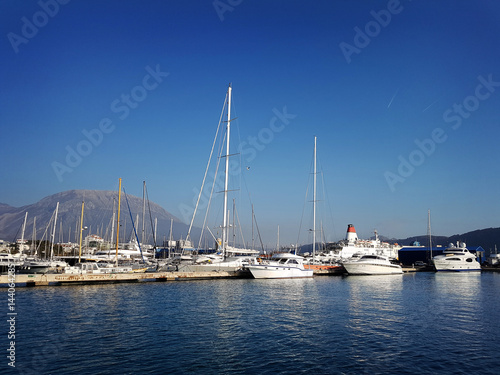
421, 323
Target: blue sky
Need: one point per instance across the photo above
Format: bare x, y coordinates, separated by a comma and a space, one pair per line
402, 95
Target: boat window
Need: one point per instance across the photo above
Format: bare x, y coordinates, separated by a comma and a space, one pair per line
469, 260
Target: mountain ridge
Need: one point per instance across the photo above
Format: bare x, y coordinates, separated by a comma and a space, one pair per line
98, 212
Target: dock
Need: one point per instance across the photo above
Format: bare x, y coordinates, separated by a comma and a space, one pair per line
31, 280
111, 278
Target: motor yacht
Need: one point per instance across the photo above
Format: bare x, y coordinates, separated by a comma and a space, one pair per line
372, 265
280, 266
456, 258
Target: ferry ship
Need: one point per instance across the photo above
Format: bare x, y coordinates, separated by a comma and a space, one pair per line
353, 245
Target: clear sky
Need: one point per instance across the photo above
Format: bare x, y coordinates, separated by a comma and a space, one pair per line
403, 97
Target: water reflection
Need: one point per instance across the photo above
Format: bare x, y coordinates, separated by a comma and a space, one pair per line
458, 284
374, 319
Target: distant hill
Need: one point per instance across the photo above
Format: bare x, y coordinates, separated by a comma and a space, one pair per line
486, 238
423, 240
98, 213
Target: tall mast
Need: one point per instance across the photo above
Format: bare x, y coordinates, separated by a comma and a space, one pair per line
143, 211
278, 243
33, 237
253, 239
156, 226
61, 234
54, 233
226, 182
136, 224
112, 229
170, 238
429, 230
81, 230
118, 218
234, 222
21, 246
314, 202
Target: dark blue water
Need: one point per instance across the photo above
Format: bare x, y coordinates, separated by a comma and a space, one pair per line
422, 323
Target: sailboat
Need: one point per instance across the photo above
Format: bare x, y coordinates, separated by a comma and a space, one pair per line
33, 265
130, 251
229, 258
314, 263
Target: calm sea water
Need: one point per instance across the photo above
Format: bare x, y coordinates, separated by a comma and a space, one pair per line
423, 323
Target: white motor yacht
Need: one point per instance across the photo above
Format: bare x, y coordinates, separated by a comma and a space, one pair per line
280, 266
456, 258
372, 265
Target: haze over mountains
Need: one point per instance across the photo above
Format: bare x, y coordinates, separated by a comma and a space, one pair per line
98, 215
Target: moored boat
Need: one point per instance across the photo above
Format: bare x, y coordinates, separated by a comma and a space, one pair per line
456, 258
94, 268
352, 245
34, 265
281, 266
372, 265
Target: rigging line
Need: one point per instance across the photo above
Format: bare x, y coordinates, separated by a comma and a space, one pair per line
239, 225
209, 203
44, 233
133, 225
237, 125
302, 215
311, 174
328, 205
206, 170
18, 230
150, 217
258, 233
221, 148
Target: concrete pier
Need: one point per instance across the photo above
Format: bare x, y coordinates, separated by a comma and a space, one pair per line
65, 279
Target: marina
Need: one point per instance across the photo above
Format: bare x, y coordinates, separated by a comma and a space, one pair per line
323, 325
293, 152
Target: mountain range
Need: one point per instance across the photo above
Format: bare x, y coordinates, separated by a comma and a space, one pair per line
486, 238
98, 214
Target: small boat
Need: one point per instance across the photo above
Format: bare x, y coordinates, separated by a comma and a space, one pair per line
372, 265
8, 260
93, 268
280, 266
494, 258
34, 266
456, 258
